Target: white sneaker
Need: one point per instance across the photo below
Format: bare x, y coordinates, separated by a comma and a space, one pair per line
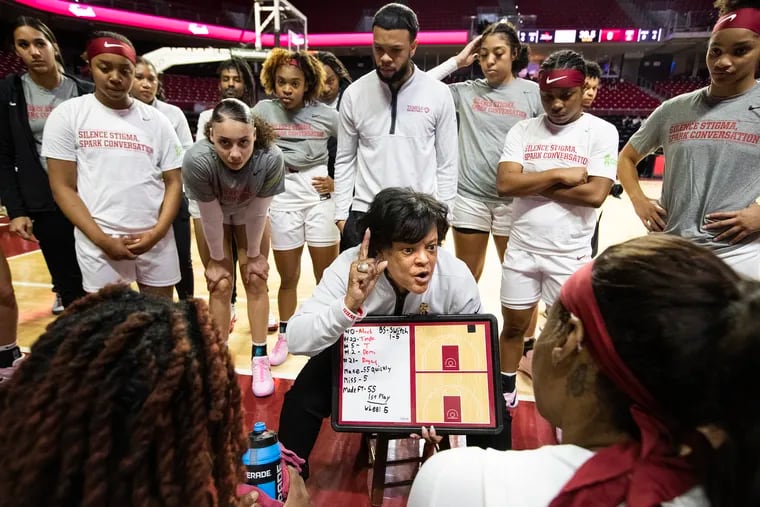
262, 382
280, 351
57, 305
272, 324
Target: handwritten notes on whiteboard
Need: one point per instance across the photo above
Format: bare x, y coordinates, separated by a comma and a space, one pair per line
376, 364
399, 374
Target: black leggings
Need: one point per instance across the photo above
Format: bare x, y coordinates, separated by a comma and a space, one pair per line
56, 236
181, 226
352, 236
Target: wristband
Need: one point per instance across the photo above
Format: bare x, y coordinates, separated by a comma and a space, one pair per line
359, 315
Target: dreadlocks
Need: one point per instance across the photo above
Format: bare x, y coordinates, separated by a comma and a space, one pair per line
126, 400
240, 65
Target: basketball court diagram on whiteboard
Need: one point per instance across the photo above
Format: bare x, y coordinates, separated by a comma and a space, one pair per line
395, 373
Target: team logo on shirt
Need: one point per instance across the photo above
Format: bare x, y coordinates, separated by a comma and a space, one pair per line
424, 309
610, 160
410, 108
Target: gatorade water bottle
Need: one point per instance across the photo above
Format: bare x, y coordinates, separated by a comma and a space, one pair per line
262, 461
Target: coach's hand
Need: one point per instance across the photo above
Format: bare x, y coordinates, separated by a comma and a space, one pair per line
362, 276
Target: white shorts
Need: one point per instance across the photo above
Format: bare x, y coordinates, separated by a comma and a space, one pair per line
158, 267
314, 226
482, 216
192, 207
527, 277
745, 260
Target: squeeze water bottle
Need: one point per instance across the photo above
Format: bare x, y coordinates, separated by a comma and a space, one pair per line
262, 461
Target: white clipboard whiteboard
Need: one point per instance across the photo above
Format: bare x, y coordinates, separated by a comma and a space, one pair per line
395, 373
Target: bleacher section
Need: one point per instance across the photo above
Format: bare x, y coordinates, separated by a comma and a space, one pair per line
10, 64
616, 97
671, 88
191, 93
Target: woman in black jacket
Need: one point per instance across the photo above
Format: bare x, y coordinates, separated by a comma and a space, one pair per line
26, 100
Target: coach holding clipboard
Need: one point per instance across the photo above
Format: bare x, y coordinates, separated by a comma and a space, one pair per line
399, 269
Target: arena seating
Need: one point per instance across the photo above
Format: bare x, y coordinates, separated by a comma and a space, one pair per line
671, 88
620, 97
10, 63
191, 93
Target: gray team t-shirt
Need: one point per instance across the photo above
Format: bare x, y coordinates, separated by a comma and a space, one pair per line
302, 135
485, 116
207, 178
40, 102
711, 149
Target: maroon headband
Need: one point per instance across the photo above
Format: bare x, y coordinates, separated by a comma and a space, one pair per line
641, 474
740, 18
560, 78
102, 45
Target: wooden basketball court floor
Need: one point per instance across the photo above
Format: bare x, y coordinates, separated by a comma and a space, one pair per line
337, 477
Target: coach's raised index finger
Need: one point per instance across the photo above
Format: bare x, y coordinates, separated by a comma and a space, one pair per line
364, 248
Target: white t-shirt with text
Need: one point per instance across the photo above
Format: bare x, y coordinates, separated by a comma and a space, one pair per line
121, 155
544, 226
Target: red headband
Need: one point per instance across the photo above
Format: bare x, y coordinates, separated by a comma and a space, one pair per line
109, 45
560, 78
740, 18
638, 474
294, 63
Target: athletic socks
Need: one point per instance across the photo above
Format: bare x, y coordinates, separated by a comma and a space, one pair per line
509, 388
258, 350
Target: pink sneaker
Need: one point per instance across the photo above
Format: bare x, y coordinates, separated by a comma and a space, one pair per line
280, 351
262, 382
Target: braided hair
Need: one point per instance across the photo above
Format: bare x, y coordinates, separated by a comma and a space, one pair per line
128, 400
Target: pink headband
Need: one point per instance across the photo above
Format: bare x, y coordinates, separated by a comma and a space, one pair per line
109, 45
637, 474
741, 18
560, 78
294, 63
